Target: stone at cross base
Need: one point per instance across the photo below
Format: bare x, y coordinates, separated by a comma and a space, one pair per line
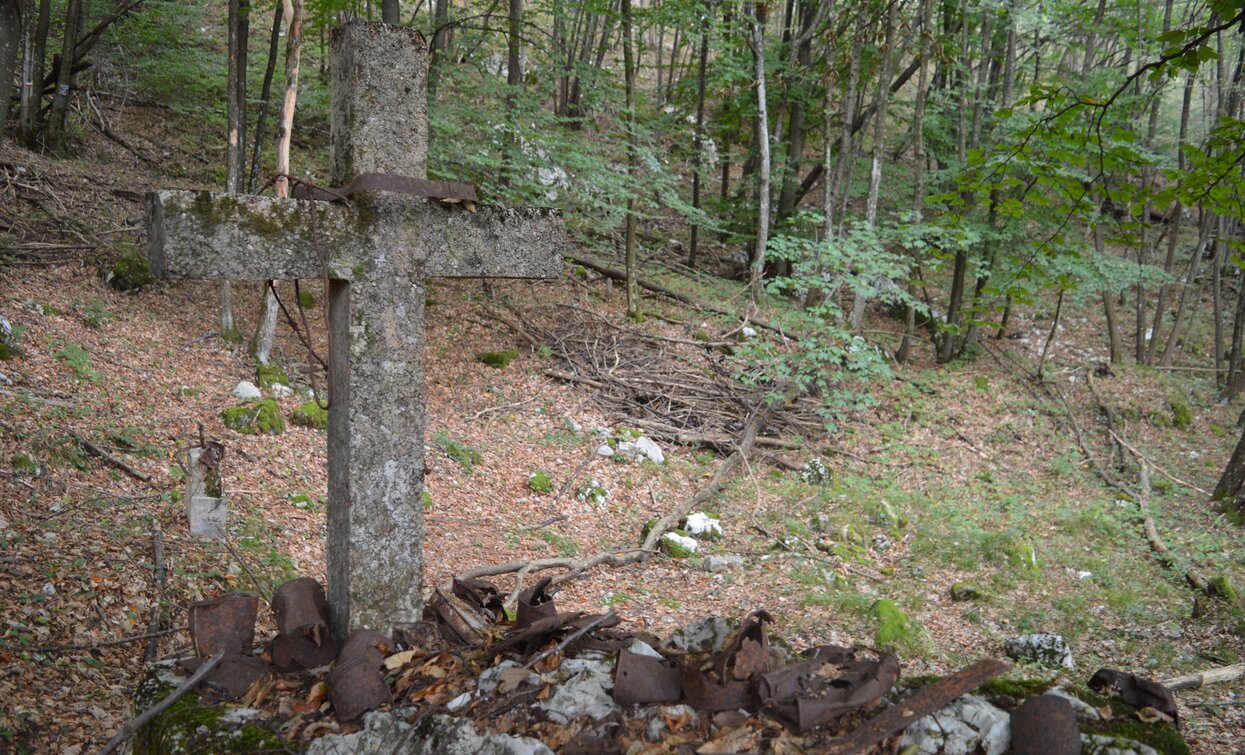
376, 254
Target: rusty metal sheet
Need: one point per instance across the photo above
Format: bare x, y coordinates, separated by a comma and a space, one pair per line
422, 636
231, 678
832, 683
482, 594
303, 640
535, 603
702, 692
226, 623
1136, 691
459, 622
357, 681
925, 701
532, 637
1045, 725
645, 680
420, 187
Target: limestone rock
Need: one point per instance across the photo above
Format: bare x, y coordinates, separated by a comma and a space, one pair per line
1084, 711
962, 727
707, 635
444, 735
588, 693
698, 524
605, 450
246, 391
1097, 744
1041, 648
640, 449
714, 564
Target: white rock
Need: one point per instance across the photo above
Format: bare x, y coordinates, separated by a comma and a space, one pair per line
687, 543
639, 647
49, 589
1084, 710
715, 564
458, 702
964, 726
281, 391
586, 694
1096, 744
749, 331
700, 524
651, 450
605, 450
246, 391
1045, 649
707, 635
5, 380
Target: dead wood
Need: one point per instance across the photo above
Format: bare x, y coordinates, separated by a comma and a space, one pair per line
1194, 577
112, 460
160, 570
132, 726
1202, 678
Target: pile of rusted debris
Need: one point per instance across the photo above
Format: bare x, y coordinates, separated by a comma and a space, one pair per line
544, 681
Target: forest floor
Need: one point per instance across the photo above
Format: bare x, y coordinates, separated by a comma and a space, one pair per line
968, 472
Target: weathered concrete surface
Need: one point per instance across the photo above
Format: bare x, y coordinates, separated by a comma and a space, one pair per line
376, 252
379, 101
200, 235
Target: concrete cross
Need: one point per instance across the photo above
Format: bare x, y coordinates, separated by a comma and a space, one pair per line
377, 254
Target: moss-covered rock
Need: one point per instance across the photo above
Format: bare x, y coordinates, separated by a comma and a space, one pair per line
255, 418
962, 592
678, 544
194, 726
130, 273
1022, 556
894, 628
306, 299
497, 359
539, 482
268, 375
1221, 585
311, 415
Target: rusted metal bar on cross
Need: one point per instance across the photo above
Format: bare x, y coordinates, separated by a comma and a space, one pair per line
420, 187
926, 700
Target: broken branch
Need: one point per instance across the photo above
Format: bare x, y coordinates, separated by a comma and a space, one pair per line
134, 724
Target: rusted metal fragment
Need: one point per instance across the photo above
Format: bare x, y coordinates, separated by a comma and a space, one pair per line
644, 680
1136, 691
1045, 725
460, 622
303, 640
925, 701
482, 594
532, 637
535, 603
833, 682
231, 678
703, 691
357, 681
226, 623
423, 636
420, 187
725, 683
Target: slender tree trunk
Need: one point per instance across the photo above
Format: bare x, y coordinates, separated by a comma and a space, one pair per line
514, 46
879, 134
235, 151
629, 65
763, 191
1217, 297
59, 113
265, 99
1176, 211
12, 24
1108, 304
439, 35
389, 12
918, 168
1190, 285
699, 140
32, 82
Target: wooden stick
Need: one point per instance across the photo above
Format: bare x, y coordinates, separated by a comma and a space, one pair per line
132, 726
97, 645
571, 638
161, 572
1200, 679
101, 453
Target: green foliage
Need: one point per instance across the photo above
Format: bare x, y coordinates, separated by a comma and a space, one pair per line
566, 546
95, 313
592, 492
1182, 415
10, 337
79, 361
306, 299
894, 629
497, 359
261, 417
311, 414
460, 452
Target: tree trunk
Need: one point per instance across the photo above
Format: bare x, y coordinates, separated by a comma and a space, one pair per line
918, 168
1230, 491
633, 287
265, 98
879, 133
32, 76
11, 27
514, 44
235, 97
439, 35
699, 139
1190, 285
57, 117
389, 12
763, 190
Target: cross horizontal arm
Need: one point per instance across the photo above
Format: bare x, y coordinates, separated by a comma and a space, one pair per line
202, 235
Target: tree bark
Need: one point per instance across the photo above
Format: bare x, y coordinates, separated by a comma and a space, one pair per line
918, 168
32, 75
390, 13
633, 288
265, 99
56, 138
12, 24
699, 139
439, 36
758, 256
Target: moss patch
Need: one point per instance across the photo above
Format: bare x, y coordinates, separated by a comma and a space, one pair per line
894, 628
539, 482
268, 375
1124, 723
1221, 585
306, 299
256, 418
192, 726
130, 273
310, 415
497, 359
1182, 415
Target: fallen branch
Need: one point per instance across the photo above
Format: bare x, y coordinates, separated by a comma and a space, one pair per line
160, 572
1194, 577
1201, 679
96, 645
132, 726
611, 616
112, 460
570, 378
613, 274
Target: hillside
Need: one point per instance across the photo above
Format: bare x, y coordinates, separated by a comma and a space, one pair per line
936, 474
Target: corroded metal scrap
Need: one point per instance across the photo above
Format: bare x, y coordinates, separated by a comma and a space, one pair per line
303, 640
357, 681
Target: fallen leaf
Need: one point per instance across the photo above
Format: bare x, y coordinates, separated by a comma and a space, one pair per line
398, 660
1151, 716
